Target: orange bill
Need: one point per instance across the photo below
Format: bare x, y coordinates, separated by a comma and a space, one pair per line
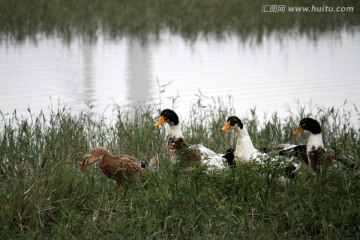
226, 127
160, 121
299, 129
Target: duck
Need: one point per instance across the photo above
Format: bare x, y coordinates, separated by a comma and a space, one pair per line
308, 152
180, 150
313, 153
245, 149
246, 152
121, 168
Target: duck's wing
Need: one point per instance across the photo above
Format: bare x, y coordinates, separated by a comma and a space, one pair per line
287, 164
128, 163
120, 168
284, 146
293, 150
129, 158
209, 157
203, 150
216, 161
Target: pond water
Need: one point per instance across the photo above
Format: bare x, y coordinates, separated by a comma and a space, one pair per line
275, 74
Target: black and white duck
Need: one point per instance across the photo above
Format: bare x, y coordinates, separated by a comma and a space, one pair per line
246, 152
181, 150
313, 153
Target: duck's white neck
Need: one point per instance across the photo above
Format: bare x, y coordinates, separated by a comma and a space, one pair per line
315, 140
175, 131
244, 146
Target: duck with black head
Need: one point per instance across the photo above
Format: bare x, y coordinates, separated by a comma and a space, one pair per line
313, 153
317, 155
180, 150
246, 152
245, 149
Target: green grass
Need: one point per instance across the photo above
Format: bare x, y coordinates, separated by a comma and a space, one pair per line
21, 20
42, 193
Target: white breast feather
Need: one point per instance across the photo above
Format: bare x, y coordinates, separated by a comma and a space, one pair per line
315, 140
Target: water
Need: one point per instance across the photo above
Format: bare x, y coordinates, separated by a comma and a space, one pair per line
273, 75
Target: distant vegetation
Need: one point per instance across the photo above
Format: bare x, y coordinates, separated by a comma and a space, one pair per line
42, 193
20, 20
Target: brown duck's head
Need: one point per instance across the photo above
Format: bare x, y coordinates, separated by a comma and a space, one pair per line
310, 125
169, 116
232, 122
93, 156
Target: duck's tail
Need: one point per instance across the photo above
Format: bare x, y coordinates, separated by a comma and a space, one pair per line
154, 163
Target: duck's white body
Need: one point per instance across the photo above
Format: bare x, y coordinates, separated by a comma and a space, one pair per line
248, 153
245, 150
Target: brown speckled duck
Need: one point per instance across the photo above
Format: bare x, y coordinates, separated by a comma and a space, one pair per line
120, 168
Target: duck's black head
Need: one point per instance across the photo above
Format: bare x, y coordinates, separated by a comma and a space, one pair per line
169, 116
231, 122
310, 125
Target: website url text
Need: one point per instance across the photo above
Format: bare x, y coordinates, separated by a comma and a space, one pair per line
312, 9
